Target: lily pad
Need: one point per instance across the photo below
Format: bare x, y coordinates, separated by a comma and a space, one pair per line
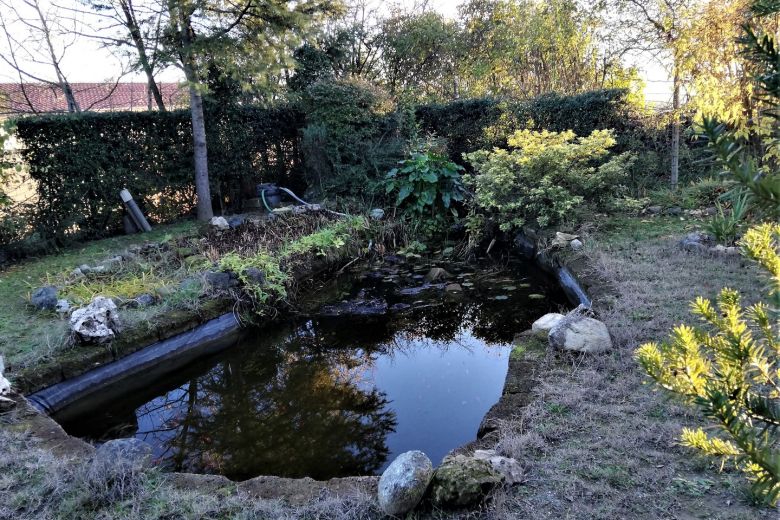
536, 296
501, 297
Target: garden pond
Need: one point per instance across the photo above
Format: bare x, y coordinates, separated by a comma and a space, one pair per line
393, 362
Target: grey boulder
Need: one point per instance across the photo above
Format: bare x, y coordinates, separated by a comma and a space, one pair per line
547, 322
404, 482
44, 298
579, 333
461, 481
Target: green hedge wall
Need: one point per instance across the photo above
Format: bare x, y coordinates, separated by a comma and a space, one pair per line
80, 162
473, 124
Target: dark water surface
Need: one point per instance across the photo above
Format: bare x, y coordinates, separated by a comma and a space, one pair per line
330, 396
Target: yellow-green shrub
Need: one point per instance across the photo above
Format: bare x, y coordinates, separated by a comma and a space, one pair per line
544, 176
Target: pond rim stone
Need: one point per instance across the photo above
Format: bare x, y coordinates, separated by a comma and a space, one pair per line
404, 483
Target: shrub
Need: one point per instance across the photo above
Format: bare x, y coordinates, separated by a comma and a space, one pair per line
729, 371
426, 185
351, 137
544, 176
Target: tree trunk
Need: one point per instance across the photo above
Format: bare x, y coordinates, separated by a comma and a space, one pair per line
200, 153
143, 59
675, 175
205, 211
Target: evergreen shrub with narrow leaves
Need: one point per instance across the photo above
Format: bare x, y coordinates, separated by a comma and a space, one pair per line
730, 369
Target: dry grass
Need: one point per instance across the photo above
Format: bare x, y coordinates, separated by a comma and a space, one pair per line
36, 485
600, 443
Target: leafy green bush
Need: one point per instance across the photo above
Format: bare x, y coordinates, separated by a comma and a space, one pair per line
544, 177
426, 185
729, 371
352, 137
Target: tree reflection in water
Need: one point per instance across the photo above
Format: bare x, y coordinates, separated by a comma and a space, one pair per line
302, 399
295, 411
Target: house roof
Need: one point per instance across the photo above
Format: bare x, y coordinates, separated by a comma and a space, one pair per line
40, 98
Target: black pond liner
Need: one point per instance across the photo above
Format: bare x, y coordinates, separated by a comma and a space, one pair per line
79, 395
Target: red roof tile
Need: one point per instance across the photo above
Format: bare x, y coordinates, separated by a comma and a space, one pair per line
34, 98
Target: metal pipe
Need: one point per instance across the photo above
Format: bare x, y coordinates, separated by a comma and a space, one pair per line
135, 211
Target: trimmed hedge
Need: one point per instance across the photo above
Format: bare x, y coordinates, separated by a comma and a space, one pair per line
80, 162
474, 124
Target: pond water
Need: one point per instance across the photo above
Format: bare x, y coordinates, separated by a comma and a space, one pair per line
342, 389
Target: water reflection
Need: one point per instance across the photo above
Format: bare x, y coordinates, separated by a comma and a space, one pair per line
325, 397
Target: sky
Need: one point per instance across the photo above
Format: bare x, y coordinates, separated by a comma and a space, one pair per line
86, 61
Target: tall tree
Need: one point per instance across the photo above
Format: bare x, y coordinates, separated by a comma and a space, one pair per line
661, 28
248, 40
35, 37
135, 25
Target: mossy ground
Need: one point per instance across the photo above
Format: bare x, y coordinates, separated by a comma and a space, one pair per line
36, 344
27, 336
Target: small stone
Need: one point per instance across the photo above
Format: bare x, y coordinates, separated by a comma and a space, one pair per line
236, 221
453, 288
404, 482
144, 300
674, 211
576, 244
462, 481
718, 250
220, 281
219, 223
732, 251
547, 322
654, 210
377, 214
44, 298
510, 469
77, 273
85, 269
255, 276
562, 239
436, 274
62, 306
710, 211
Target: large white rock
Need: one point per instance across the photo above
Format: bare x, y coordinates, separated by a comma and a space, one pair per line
579, 333
547, 322
5, 384
98, 322
219, 223
403, 484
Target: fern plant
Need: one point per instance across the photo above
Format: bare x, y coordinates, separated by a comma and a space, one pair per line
730, 370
